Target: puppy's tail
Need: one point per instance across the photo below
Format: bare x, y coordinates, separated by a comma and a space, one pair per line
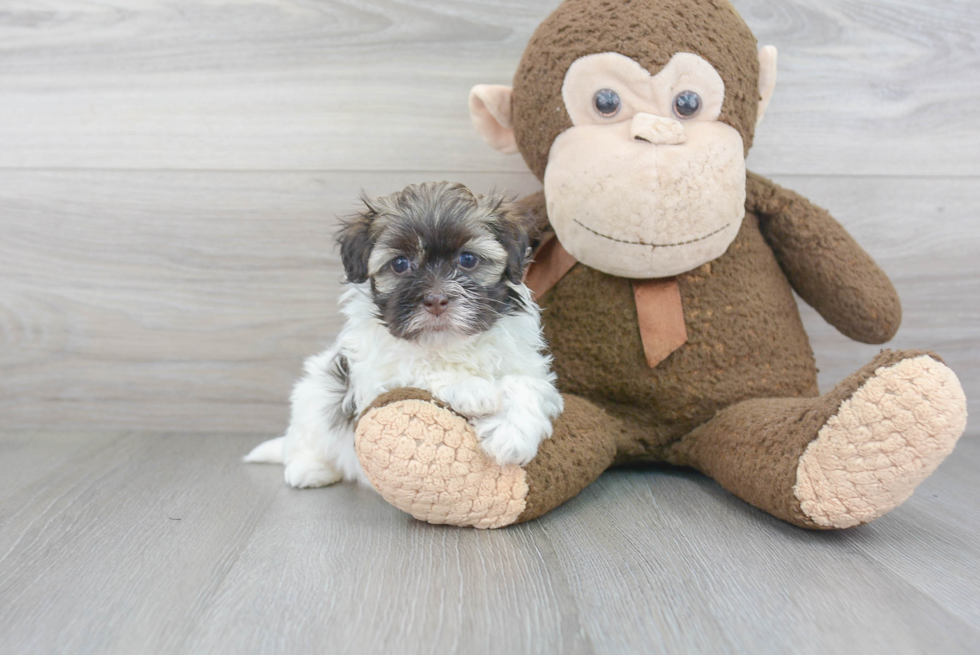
268, 452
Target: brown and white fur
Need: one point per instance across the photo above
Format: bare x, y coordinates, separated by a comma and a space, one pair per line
436, 302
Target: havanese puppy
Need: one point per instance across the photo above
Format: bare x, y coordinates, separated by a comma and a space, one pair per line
436, 302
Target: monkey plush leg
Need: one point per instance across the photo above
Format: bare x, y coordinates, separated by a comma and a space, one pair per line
425, 459
843, 459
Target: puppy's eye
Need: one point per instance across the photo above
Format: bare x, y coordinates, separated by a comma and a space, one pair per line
400, 265
468, 260
607, 102
687, 104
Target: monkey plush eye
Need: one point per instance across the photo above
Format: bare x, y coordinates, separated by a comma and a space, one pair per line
687, 104
607, 102
468, 260
400, 265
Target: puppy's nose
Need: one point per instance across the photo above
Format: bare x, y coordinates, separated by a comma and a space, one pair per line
435, 303
657, 130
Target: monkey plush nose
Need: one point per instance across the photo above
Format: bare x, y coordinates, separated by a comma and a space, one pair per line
657, 130
435, 303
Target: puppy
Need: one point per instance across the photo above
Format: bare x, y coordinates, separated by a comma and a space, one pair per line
435, 302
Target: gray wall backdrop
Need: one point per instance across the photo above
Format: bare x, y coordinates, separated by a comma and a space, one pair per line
171, 173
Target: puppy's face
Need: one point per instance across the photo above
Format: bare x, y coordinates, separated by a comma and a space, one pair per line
441, 261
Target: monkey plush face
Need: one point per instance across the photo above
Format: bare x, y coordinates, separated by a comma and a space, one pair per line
646, 182
638, 126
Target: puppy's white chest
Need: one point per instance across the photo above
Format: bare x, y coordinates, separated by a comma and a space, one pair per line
381, 372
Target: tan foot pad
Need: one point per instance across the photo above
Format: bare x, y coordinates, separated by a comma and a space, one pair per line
884, 440
426, 461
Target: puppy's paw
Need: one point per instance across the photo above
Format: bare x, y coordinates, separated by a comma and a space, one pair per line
472, 398
511, 442
305, 474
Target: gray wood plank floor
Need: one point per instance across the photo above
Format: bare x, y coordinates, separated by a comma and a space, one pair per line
170, 175
166, 543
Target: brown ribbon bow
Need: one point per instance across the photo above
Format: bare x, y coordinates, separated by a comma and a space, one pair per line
658, 301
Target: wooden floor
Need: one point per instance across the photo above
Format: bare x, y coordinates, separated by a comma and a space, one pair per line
166, 543
170, 176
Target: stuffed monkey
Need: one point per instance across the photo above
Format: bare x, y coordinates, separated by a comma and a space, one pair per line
665, 277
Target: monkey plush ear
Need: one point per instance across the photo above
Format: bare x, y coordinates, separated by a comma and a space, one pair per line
490, 111
356, 244
767, 79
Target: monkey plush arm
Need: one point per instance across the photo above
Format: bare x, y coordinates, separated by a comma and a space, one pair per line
829, 270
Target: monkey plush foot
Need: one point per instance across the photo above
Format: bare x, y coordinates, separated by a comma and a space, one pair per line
844, 458
425, 460
884, 440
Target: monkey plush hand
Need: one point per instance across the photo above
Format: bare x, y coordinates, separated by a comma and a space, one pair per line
666, 286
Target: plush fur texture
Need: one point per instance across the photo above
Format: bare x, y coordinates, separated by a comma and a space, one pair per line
824, 264
911, 410
754, 347
663, 211
649, 32
441, 475
738, 400
756, 448
673, 188
481, 352
790, 457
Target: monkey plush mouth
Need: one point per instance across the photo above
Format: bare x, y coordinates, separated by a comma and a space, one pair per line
639, 211
653, 245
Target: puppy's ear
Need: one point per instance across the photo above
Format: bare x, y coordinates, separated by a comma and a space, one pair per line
513, 228
356, 243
